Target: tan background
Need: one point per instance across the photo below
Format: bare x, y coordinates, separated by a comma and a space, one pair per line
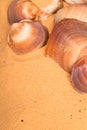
35, 93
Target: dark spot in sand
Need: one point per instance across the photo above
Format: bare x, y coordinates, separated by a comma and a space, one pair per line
80, 100
22, 120
79, 110
85, 109
70, 116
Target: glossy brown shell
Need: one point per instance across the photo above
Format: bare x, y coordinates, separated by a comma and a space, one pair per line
67, 42
79, 75
21, 9
27, 36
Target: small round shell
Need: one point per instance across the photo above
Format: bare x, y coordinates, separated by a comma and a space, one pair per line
21, 9
26, 36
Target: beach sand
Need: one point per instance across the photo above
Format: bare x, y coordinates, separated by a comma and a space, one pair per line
35, 93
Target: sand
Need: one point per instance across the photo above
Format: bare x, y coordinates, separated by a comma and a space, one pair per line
35, 93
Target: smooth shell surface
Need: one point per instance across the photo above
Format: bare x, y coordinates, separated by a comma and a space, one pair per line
26, 36
78, 12
67, 42
79, 75
21, 9
76, 1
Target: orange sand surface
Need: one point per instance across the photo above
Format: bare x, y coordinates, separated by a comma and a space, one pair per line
35, 93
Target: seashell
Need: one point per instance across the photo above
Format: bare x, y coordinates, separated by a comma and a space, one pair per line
21, 9
27, 36
50, 9
78, 12
67, 42
76, 1
79, 75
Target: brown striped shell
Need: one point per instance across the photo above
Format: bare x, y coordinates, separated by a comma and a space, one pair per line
79, 75
67, 42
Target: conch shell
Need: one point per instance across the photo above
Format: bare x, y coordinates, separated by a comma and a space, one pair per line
78, 12
67, 43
